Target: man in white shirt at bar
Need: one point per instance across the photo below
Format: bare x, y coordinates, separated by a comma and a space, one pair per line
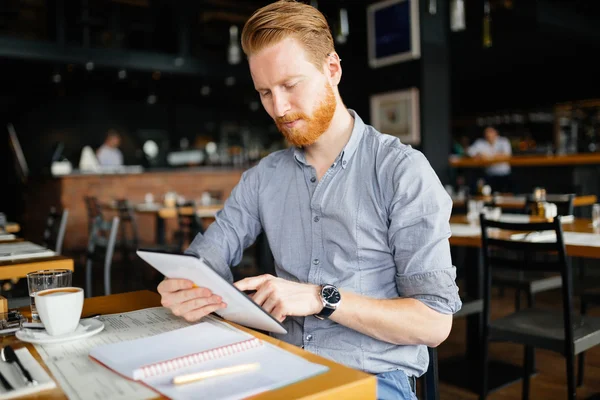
497, 175
109, 154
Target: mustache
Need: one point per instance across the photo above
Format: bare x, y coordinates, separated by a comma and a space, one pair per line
290, 118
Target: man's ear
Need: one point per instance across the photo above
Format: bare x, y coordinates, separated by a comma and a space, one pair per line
334, 68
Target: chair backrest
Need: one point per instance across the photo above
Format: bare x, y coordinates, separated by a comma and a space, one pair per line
564, 203
101, 243
102, 238
93, 208
54, 232
189, 224
429, 383
127, 218
531, 250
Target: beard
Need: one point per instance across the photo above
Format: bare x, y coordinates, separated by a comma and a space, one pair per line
315, 125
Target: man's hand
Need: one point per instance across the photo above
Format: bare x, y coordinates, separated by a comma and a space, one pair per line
188, 301
281, 298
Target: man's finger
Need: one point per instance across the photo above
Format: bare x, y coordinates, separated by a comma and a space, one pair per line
252, 283
269, 305
181, 296
190, 294
202, 312
196, 304
173, 285
278, 313
261, 295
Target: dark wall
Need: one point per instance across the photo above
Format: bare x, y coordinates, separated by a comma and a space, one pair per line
532, 61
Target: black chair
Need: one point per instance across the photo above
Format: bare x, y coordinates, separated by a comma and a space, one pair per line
101, 247
558, 331
128, 241
588, 297
430, 380
56, 226
532, 282
93, 209
189, 225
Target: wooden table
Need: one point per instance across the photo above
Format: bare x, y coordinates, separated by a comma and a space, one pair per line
20, 268
12, 227
528, 160
339, 382
161, 213
518, 202
580, 225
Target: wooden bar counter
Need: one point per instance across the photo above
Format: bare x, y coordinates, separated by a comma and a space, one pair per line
67, 192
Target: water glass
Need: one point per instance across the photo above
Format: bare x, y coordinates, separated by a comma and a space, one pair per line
596, 215
46, 279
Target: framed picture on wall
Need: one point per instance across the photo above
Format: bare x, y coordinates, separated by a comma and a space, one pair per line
393, 32
397, 114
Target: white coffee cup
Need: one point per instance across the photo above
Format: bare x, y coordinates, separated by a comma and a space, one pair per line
60, 309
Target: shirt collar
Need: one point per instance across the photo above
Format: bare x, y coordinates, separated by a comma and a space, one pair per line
348, 150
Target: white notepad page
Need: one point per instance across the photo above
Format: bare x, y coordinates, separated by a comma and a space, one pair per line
6, 237
21, 250
277, 367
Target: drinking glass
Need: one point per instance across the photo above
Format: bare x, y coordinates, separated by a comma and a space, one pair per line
46, 279
596, 215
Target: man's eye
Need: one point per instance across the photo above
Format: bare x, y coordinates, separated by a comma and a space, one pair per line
291, 85
265, 94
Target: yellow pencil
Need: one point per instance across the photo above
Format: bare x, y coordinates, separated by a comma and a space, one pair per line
198, 376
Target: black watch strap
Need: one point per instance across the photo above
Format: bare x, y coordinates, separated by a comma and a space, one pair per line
325, 313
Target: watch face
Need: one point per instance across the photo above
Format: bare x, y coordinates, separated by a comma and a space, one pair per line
331, 295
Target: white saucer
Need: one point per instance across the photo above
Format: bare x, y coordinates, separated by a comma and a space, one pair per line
87, 327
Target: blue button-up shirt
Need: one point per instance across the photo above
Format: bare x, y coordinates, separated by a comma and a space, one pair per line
376, 224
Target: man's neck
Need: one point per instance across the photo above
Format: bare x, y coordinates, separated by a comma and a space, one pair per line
330, 144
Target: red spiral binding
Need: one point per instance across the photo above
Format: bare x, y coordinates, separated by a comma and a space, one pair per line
157, 369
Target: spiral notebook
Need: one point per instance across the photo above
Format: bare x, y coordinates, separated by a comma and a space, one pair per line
205, 346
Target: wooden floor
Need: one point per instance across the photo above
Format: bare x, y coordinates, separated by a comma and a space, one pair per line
549, 383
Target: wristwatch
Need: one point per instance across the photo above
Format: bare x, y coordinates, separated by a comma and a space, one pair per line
331, 299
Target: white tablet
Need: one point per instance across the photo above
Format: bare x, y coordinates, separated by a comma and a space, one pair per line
240, 308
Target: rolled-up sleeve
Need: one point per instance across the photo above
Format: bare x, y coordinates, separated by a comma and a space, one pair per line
418, 235
235, 228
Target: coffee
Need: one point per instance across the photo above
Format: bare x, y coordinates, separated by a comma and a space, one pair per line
58, 292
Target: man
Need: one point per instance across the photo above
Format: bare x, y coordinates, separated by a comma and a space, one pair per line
497, 174
109, 154
349, 213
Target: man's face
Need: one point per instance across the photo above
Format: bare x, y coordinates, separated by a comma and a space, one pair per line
491, 135
293, 91
114, 141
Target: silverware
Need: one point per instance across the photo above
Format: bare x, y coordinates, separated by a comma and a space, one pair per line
8, 355
5, 383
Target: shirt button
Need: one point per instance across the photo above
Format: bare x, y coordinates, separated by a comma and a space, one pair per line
344, 162
313, 179
308, 338
316, 219
316, 261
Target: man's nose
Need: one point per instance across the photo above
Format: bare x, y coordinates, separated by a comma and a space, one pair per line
281, 105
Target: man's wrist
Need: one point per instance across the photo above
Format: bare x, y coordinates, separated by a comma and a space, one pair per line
318, 303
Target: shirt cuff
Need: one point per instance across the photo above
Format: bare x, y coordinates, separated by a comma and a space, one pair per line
436, 289
204, 249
